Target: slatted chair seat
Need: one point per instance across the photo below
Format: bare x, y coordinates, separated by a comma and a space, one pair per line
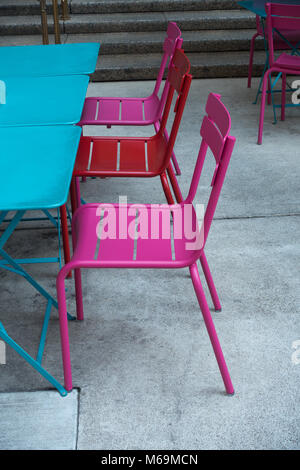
288, 61
153, 236
101, 156
121, 111
165, 237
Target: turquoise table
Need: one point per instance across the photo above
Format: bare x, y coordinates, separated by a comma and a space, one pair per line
37, 165
42, 100
39, 86
258, 6
52, 60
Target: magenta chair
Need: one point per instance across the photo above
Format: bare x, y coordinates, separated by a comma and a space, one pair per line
285, 18
176, 241
118, 111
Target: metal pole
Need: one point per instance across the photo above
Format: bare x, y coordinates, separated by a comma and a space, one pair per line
64, 10
56, 21
44, 22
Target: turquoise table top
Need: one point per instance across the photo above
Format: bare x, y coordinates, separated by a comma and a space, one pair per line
42, 100
36, 166
258, 6
58, 59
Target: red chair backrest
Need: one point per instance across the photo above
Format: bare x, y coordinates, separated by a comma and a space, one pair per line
215, 136
179, 81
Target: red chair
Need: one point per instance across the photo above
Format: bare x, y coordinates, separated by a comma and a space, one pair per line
143, 157
153, 236
280, 18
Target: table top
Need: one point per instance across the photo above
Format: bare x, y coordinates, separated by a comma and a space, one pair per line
258, 6
36, 166
49, 60
43, 100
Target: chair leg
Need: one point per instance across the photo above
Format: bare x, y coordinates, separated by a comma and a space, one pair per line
78, 284
74, 195
251, 60
262, 107
78, 290
210, 283
283, 96
63, 324
65, 235
166, 188
175, 185
211, 329
269, 91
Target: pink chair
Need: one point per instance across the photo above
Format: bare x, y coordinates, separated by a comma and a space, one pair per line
282, 18
120, 111
118, 235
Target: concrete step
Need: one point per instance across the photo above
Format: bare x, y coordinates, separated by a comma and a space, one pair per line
137, 22
14, 25
193, 41
204, 65
145, 43
32, 7
124, 6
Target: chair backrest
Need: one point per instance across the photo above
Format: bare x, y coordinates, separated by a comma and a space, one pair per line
280, 18
179, 81
172, 42
215, 136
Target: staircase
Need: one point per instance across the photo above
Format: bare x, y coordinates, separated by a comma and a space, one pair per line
216, 34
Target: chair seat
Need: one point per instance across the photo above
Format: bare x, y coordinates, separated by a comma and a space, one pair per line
121, 111
168, 236
102, 156
287, 61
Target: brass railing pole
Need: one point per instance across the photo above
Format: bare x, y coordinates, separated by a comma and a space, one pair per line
44, 22
56, 22
64, 10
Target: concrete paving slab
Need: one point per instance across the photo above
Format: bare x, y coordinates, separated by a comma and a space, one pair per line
142, 357
38, 421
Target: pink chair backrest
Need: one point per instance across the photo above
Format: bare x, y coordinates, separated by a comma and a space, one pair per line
215, 135
172, 41
281, 18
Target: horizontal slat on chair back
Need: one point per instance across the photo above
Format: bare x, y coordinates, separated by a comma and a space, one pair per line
173, 32
179, 67
285, 17
218, 113
212, 137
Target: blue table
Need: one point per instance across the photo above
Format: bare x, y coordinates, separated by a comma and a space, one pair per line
36, 159
258, 6
43, 100
52, 60
37, 165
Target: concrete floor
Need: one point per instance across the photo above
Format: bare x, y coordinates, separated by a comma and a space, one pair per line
142, 357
